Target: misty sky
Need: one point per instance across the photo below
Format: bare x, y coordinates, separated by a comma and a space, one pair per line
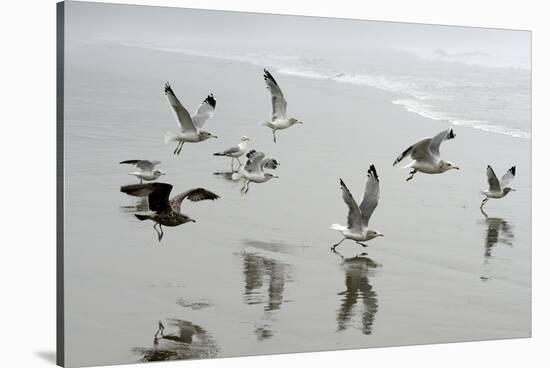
174, 27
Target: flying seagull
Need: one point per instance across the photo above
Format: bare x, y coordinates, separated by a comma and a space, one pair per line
147, 169
253, 170
235, 152
166, 210
498, 189
425, 155
359, 216
278, 120
190, 126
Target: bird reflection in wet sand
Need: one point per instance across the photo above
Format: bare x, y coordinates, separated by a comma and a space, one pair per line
257, 270
498, 231
189, 342
141, 205
358, 288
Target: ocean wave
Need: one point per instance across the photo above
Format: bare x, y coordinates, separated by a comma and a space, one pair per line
429, 113
420, 90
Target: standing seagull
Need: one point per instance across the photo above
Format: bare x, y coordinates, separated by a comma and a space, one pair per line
253, 170
166, 211
190, 126
235, 152
147, 169
278, 116
358, 216
498, 189
425, 155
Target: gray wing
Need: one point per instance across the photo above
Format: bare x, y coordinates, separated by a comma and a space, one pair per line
278, 101
204, 112
438, 139
180, 113
354, 214
494, 185
254, 162
371, 195
194, 195
144, 165
508, 177
231, 150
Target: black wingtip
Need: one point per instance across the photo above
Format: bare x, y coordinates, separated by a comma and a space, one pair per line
210, 100
342, 183
513, 170
168, 88
267, 75
372, 171
451, 134
250, 153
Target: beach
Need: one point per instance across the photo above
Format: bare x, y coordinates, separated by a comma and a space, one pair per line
255, 272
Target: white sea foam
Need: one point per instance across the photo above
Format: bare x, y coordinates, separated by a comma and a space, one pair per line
429, 97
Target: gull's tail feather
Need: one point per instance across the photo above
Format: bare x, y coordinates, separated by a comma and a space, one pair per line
170, 137
142, 217
266, 123
338, 227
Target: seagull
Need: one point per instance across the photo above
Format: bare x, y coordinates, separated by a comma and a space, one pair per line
235, 152
498, 189
146, 167
253, 170
425, 155
190, 126
166, 211
358, 216
278, 116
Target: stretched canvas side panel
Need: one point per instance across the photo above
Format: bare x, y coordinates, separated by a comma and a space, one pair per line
60, 355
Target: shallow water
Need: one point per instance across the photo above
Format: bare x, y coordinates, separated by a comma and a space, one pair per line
255, 274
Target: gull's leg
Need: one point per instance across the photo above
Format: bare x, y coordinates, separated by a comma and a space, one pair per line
274, 136
244, 186
239, 161
412, 174
333, 248
181, 146
483, 203
247, 186
176, 150
363, 244
140, 180
155, 227
161, 232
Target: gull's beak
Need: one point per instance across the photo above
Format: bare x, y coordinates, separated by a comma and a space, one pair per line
455, 167
300, 122
191, 220
381, 234
162, 173
275, 176
215, 136
513, 190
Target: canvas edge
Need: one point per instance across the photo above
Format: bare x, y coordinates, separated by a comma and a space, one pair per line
60, 83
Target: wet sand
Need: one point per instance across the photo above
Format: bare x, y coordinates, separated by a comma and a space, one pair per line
255, 272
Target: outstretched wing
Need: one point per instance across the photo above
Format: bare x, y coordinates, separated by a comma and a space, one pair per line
494, 185
204, 112
371, 195
180, 113
145, 165
254, 162
270, 163
438, 138
278, 101
158, 196
508, 177
354, 214
194, 195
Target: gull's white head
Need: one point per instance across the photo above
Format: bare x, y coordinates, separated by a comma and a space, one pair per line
158, 173
507, 190
244, 138
446, 165
204, 135
371, 234
294, 121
